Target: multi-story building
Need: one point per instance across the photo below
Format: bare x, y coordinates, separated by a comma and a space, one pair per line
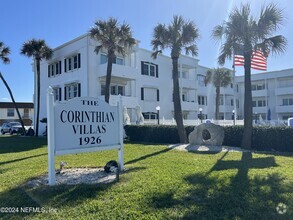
8, 112
272, 94
76, 70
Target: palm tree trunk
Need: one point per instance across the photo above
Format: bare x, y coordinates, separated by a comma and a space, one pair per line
108, 76
177, 103
12, 98
247, 133
38, 97
217, 102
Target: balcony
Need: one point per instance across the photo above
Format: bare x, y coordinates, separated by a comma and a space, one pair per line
226, 108
227, 91
284, 109
128, 101
284, 91
259, 93
187, 83
260, 109
118, 71
189, 106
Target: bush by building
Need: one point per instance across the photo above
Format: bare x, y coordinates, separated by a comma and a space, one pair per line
263, 138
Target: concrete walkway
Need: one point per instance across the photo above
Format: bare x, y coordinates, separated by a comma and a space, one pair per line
188, 147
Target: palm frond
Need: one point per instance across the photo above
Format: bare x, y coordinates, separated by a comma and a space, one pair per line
191, 49
156, 53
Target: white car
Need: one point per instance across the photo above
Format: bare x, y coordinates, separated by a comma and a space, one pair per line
10, 127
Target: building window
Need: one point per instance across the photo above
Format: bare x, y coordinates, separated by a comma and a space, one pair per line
287, 101
10, 112
149, 69
149, 115
54, 69
26, 112
232, 102
57, 93
116, 60
201, 80
184, 75
202, 100
150, 94
255, 87
114, 89
71, 91
259, 103
72, 63
237, 103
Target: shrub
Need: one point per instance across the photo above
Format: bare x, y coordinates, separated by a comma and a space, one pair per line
263, 138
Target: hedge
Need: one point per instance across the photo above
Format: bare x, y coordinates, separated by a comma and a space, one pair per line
263, 138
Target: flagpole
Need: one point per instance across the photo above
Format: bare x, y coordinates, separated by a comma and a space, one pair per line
234, 88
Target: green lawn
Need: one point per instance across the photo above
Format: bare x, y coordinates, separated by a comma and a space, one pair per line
159, 184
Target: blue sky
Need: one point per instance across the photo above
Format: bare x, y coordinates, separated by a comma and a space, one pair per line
58, 21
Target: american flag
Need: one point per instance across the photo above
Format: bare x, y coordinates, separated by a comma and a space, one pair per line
258, 60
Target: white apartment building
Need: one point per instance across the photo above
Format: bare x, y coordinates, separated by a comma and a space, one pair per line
76, 70
272, 94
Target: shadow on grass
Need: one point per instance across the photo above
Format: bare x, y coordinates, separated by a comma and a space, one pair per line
13, 143
55, 197
20, 159
240, 198
149, 155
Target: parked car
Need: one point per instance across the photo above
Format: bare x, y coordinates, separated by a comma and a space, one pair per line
10, 127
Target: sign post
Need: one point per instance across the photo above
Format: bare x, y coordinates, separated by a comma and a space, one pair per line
82, 124
51, 137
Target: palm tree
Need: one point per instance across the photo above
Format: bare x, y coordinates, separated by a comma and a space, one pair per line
242, 32
115, 38
177, 36
39, 50
4, 52
219, 77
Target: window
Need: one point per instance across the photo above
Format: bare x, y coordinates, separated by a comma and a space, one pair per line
149, 69
114, 89
184, 74
237, 103
287, 101
201, 80
221, 100
117, 60
202, 100
232, 102
54, 69
255, 87
57, 93
10, 112
253, 103
72, 63
71, 91
150, 94
149, 115
259, 103
26, 112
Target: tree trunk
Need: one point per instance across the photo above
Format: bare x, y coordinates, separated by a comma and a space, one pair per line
12, 98
108, 76
247, 133
38, 97
177, 102
217, 102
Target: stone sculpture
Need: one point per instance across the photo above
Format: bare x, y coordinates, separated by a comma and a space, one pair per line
126, 118
139, 116
207, 134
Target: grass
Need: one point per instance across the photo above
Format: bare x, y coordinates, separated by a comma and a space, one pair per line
159, 184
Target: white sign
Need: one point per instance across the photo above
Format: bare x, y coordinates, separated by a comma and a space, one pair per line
82, 124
